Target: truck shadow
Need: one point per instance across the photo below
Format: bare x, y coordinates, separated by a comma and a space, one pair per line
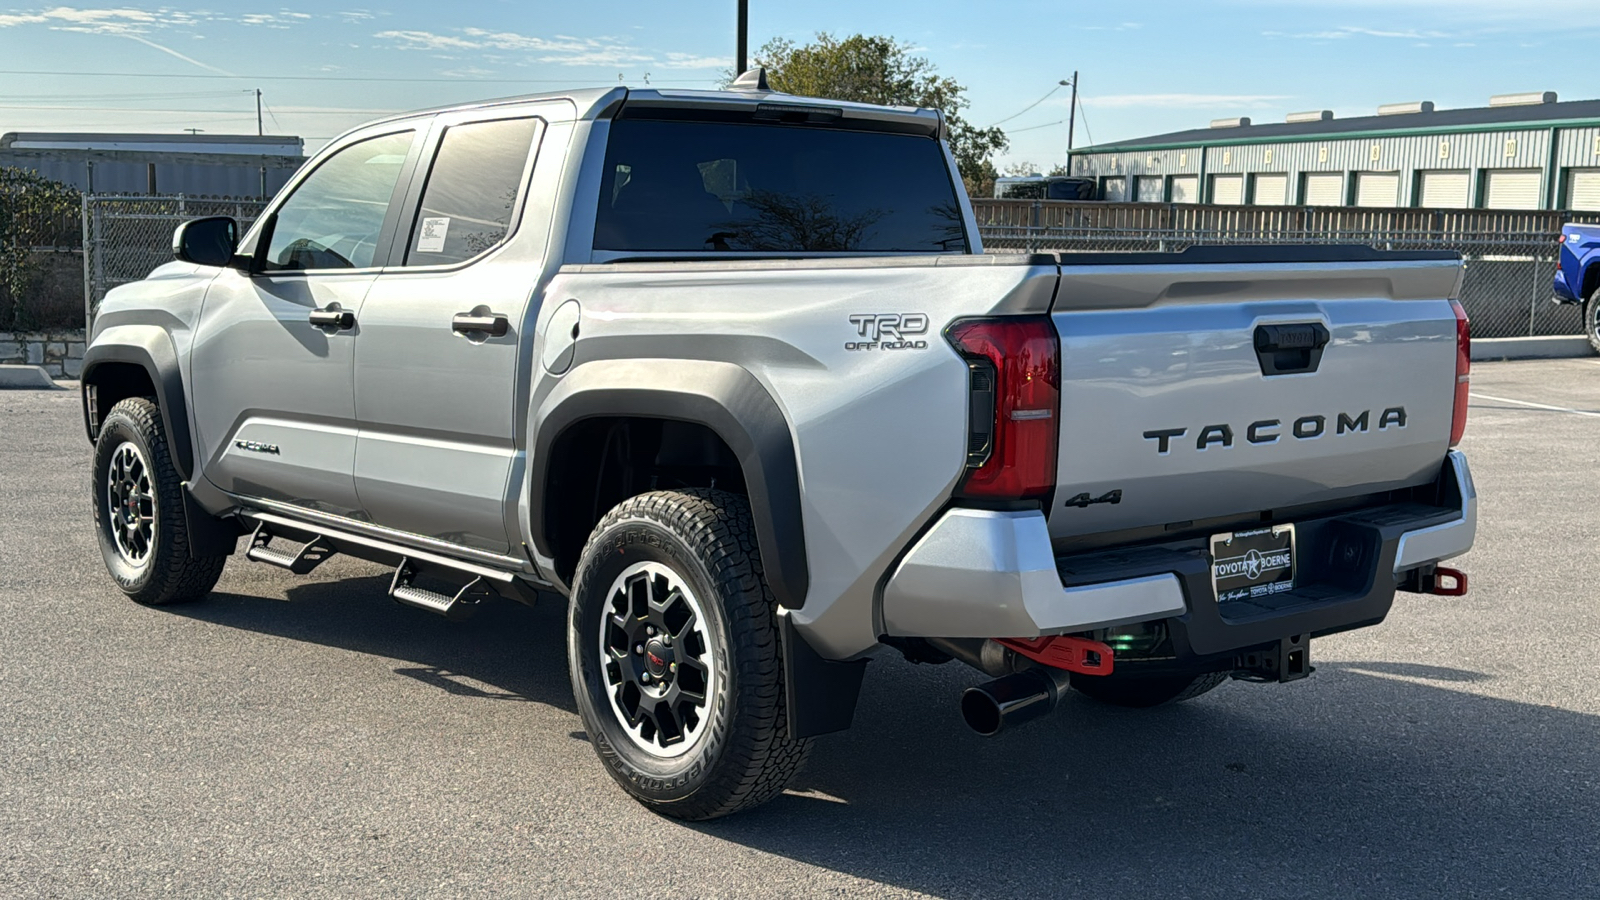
505, 652
1369, 779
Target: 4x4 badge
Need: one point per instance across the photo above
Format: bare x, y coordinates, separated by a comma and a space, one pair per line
1084, 501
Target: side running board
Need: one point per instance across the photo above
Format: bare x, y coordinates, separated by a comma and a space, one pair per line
322, 543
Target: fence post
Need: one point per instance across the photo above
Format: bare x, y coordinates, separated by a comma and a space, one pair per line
88, 283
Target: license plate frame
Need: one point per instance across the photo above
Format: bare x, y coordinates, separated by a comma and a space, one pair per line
1254, 563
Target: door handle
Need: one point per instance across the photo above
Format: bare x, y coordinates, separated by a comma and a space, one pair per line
492, 324
333, 317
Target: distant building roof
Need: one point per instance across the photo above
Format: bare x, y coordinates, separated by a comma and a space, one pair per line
244, 144
1480, 118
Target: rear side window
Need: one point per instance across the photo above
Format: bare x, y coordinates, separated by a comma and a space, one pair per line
711, 186
471, 191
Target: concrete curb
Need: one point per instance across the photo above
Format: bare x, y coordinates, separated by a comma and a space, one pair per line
1564, 346
26, 377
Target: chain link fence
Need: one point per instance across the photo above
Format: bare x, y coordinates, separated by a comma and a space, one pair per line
124, 237
1506, 290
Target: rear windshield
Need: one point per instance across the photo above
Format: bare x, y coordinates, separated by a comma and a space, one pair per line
704, 186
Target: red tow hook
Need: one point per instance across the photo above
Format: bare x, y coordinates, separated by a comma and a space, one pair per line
1456, 586
1074, 654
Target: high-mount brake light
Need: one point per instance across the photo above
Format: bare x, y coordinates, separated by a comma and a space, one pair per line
1458, 418
1014, 404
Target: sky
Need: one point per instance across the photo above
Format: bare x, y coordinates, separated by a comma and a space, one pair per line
1144, 68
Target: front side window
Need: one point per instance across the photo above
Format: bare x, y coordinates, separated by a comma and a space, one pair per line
333, 218
471, 191
716, 186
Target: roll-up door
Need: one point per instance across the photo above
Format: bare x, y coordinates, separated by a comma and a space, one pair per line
1186, 189
1227, 190
1116, 190
1445, 190
1149, 189
1378, 189
1272, 190
1583, 190
1512, 189
1325, 189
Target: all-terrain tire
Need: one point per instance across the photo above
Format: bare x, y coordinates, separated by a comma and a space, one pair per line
1146, 692
151, 564
699, 543
1591, 320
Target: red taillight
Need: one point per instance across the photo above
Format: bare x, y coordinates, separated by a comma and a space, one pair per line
1016, 373
1458, 421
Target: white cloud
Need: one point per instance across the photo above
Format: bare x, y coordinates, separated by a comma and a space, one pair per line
1181, 101
694, 61
560, 49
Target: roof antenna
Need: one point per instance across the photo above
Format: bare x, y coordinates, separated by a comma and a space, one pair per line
751, 80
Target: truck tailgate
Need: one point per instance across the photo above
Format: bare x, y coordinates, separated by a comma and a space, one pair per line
1170, 416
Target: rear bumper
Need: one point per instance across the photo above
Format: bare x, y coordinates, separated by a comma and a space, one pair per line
980, 573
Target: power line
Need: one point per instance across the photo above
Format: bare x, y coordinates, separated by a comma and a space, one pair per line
137, 109
1084, 111
572, 81
1035, 127
1032, 105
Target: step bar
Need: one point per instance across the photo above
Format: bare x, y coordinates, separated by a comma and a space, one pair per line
320, 543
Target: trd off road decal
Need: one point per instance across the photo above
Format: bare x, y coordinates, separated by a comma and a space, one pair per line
888, 331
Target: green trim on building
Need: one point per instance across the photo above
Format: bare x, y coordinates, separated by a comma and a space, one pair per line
1537, 125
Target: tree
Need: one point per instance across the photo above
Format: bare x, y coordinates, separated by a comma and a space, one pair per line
882, 70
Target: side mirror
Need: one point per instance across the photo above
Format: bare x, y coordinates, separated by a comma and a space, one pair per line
211, 241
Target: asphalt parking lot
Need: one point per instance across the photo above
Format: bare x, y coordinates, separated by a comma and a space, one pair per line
307, 737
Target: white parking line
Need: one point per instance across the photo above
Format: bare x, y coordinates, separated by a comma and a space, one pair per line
1576, 412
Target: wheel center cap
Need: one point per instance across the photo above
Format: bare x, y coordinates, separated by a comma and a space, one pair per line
658, 658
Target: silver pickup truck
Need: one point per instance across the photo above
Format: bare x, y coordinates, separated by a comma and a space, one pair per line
729, 375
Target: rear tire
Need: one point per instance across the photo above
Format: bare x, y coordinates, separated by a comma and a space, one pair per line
138, 511
1591, 320
675, 659
1136, 692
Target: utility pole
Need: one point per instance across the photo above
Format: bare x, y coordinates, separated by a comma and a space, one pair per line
1072, 116
743, 61
259, 132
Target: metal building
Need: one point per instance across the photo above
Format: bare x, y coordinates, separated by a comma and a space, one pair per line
1523, 151
221, 165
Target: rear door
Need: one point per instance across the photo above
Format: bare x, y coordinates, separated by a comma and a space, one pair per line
1166, 399
436, 367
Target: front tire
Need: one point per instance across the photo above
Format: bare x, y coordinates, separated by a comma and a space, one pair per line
673, 649
1137, 692
138, 511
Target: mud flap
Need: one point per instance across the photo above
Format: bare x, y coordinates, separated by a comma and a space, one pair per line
820, 694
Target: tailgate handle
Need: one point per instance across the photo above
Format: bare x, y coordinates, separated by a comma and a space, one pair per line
1290, 349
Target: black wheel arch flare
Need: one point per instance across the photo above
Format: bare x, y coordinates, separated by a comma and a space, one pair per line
150, 349
722, 396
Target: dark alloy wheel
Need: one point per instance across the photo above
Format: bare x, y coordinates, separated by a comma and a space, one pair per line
676, 665
138, 511
1591, 320
1143, 692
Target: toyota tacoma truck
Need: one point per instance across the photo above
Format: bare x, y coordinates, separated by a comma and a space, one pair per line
729, 376
1577, 280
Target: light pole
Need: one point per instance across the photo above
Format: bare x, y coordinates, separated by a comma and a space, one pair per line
742, 62
1072, 116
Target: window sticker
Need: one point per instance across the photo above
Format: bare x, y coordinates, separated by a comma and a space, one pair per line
430, 239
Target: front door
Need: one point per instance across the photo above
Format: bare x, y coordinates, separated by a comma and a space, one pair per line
273, 354
436, 371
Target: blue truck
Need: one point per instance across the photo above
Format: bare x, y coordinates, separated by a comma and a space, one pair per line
1578, 275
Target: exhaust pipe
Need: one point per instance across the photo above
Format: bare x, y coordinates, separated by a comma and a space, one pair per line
1012, 700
